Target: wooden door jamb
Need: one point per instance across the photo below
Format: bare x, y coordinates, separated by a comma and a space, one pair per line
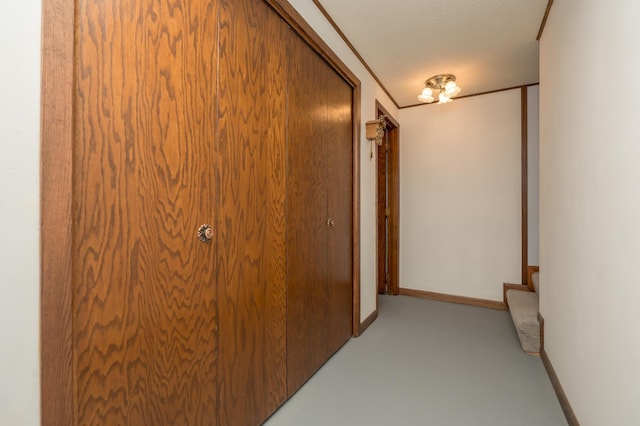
394, 202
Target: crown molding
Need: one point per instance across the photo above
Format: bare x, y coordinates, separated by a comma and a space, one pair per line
353, 49
474, 94
544, 19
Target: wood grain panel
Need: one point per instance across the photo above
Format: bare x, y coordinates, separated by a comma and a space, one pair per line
251, 225
143, 316
338, 138
307, 293
144, 298
320, 176
56, 186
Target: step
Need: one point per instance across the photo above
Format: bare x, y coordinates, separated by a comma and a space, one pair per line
523, 306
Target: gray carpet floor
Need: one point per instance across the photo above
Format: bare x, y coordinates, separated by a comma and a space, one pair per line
428, 363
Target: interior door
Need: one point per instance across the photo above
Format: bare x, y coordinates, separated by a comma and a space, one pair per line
307, 293
251, 225
144, 297
319, 214
339, 154
388, 205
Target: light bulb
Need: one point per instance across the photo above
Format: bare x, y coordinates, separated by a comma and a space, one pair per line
451, 86
425, 99
443, 98
427, 92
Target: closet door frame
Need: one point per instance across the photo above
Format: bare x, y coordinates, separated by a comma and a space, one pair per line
56, 188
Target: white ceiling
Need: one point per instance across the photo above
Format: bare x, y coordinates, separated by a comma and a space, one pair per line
487, 44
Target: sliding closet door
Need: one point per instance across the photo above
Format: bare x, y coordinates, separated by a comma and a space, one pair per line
144, 298
339, 155
319, 213
307, 293
251, 226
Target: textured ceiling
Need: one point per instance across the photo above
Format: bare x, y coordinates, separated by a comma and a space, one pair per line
487, 44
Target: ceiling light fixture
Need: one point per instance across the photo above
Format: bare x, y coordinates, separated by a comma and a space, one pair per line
446, 86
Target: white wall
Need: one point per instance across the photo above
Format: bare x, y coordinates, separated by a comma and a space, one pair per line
590, 205
19, 217
460, 209
370, 92
533, 168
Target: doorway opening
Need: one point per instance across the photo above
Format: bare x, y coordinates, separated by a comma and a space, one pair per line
388, 205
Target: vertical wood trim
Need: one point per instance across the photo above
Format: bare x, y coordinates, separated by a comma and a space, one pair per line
544, 20
380, 217
525, 186
356, 117
56, 187
530, 271
394, 218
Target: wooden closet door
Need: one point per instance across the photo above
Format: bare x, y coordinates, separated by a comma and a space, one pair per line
144, 297
339, 154
251, 229
319, 214
307, 293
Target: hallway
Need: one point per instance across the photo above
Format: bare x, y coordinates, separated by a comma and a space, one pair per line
428, 363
